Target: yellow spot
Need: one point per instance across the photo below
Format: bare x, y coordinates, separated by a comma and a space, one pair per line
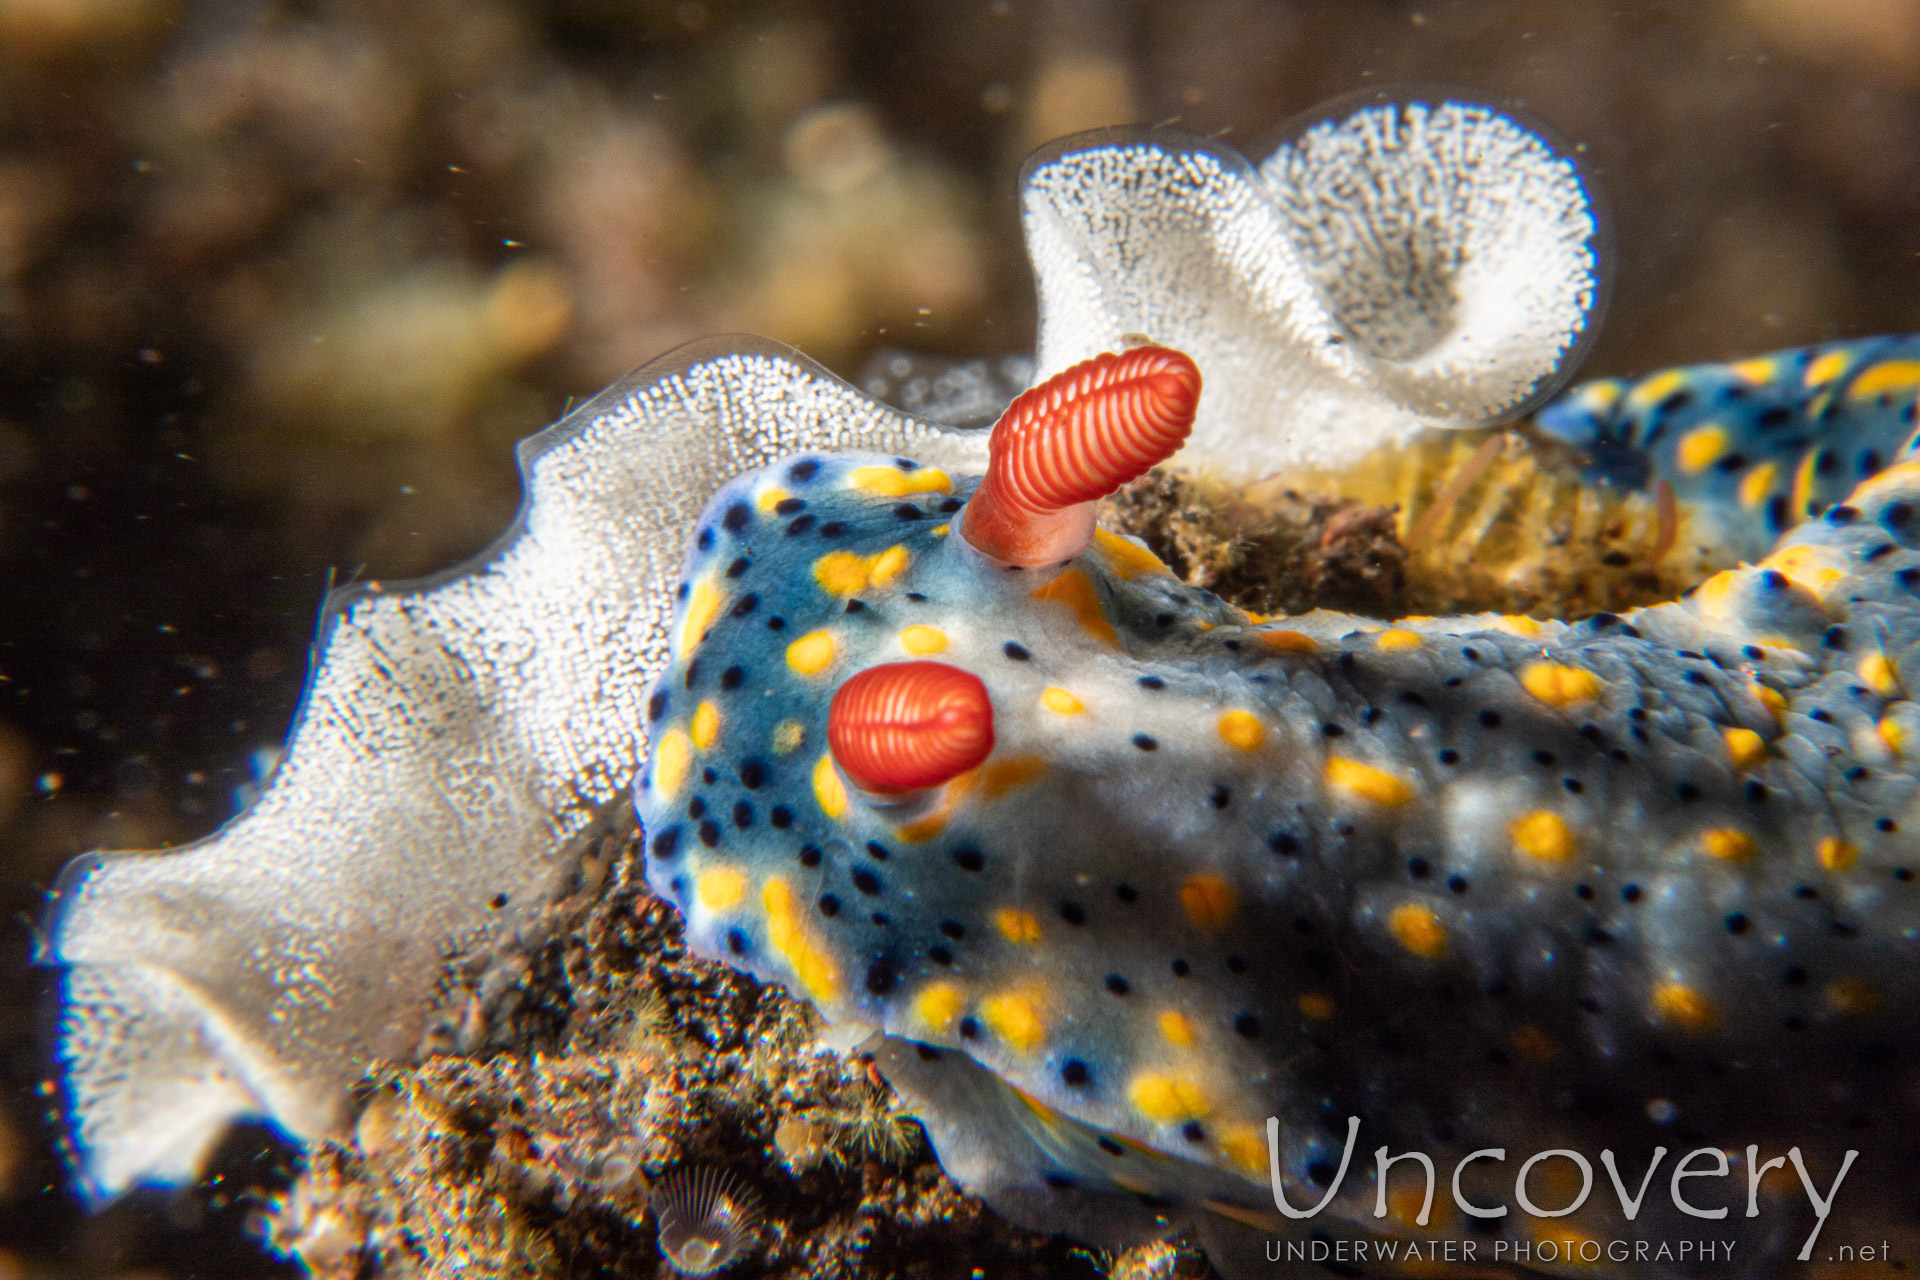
1002, 776
1755, 371
1601, 394
1175, 1028
721, 888
1892, 734
941, 530
1729, 844
828, 789
1394, 639
1542, 834
1521, 625
841, 573
1073, 589
1827, 367
1015, 1018
1058, 700
1714, 591
671, 760
1757, 485
938, 1004
1534, 1045
888, 565
1166, 1098
1316, 1006
770, 498
1209, 901
1241, 730
891, 482
1853, 996
787, 938
1655, 389
706, 725
1744, 747
1803, 478
1836, 854
1887, 376
1769, 697
1879, 674
1700, 448
786, 737
1418, 930
922, 639
1287, 641
1560, 686
1809, 566
1246, 1146
1016, 925
1680, 1004
812, 653
1125, 557
702, 607
1367, 782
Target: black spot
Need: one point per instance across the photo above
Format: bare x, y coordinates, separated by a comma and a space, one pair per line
1599, 938
1699, 678
1885, 824
1236, 964
1777, 513
1584, 892
742, 814
1162, 619
1590, 1005
753, 775
1332, 730
1732, 463
1835, 637
797, 527
788, 506
1449, 756
907, 511
1073, 913
657, 705
829, 905
1826, 462
776, 624
876, 851
950, 505
927, 1052
1111, 1147
1819, 714
1545, 759
1777, 416
1320, 1173
746, 605
1795, 976
953, 929
880, 977
1903, 874
865, 881
803, 470
1145, 742
1757, 791
940, 955
810, 855
705, 543
736, 518
739, 567
1686, 791
1074, 1072
498, 901
730, 678
1631, 893
1896, 515
1126, 893
1490, 719
1806, 892
1192, 1131
968, 859
856, 606
1573, 785
1220, 797
693, 671
969, 1029
1737, 924
916, 597
1419, 868
696, 808
1058, 1181
710, 833
1181, 969
1247, 1025
1412, 699
1018, 652
833, 528
1874, 553
1284, 843
1152, 682
709, 776
1458, 884
736, 942
1842, 514
666, 843
1470, 653
1118, 985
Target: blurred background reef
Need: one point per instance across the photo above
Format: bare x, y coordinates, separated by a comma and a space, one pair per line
281, 283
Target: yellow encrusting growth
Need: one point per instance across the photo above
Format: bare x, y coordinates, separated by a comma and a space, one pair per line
1744, 747
1889, 376
721, 888
1836, 854
841, 573
828, 789
1015, 1017
1166, 1098
1175, 1028
1417, 929
1126, 558
1653, 390
1241, 730
787, 938
1059, 701
1209, 901
1561, 686
1757, 485
1729, 844
1878, 672
891, 482
812, 653
770, 498
1394, 639
1755, 371
1681, 1005
888, 565
1542, 834
1892, 734
1016, 925
937, 1004
1074, 590
1827, 368
1246, 1146
705, 727
1521, 625
787, 736
672, 757
703, 606
1367, 782
1700, 448
1811, 567
1287, 641
921, 639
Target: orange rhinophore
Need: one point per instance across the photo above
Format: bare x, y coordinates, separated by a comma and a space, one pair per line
1072, 440
903, 726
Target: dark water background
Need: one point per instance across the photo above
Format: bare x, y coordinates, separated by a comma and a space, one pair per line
281, 283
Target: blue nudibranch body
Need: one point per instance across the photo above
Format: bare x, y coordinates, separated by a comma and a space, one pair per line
1481, 881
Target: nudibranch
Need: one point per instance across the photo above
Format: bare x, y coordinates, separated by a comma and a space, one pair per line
1118, 872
